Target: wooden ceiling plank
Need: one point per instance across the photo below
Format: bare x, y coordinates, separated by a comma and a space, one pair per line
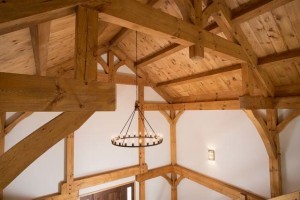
53, 94
202, 76
10, 126
164, 25
20, 156
214, 184
209, 105
287, 120
263, 131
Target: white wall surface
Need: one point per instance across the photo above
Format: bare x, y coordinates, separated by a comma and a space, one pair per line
241, 158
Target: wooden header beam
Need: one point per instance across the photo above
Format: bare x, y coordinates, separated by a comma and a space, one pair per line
248, 102
212, 105
35, 93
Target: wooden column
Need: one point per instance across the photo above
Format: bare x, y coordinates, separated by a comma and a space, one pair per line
172, 119
173, 153
70, 163
2, 135
111, 66
40, 34
196, 51
143, 166
274, 163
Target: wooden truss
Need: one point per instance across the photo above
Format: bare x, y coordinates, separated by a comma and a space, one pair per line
59, 94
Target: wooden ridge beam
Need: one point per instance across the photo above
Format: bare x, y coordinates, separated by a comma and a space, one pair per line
153, 173
258, 102
263, 131
214, 184
16, 15
202, 76
17, 93
212, 105
20, 156
164, 25
10, 126
40, 34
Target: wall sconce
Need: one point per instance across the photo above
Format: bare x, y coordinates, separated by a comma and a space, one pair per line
211, 154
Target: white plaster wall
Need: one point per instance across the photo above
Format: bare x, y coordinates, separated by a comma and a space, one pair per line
241, 158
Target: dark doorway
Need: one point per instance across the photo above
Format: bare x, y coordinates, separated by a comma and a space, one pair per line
124, 192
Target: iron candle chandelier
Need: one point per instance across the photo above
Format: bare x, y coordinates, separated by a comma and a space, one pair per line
127, 139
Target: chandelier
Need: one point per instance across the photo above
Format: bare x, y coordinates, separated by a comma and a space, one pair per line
132, 139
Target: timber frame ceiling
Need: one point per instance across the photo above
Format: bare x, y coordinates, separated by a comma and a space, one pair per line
196, 54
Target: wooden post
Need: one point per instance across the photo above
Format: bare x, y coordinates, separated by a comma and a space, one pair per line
142, 192
111, 66
70, 163
2, 135
172, 119
40, 34
274, 163
196, 51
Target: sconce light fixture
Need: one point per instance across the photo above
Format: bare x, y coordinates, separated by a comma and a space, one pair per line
211, 154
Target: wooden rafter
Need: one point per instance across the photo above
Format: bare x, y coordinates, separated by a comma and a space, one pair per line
234, 33
163, 53
264, 132
124, 31
214, 184
177, 31
40, 34
280, 57
202, 76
